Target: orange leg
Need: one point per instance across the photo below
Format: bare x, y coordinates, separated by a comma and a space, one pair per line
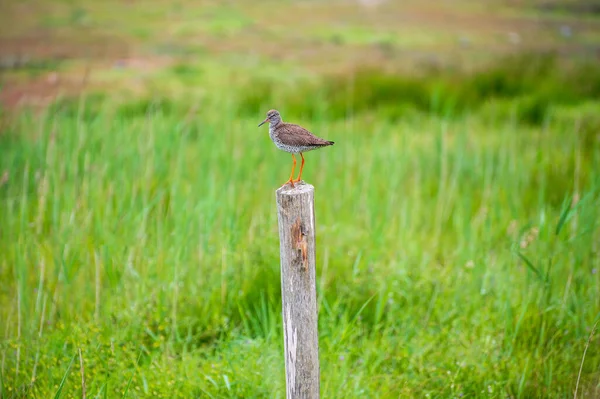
301, 167
291, 179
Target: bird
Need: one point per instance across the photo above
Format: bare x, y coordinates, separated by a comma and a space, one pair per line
292, 138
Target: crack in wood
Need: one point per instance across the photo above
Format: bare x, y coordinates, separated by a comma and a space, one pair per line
299, 242
291, 340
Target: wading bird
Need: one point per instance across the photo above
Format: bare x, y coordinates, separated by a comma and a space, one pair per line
293, 139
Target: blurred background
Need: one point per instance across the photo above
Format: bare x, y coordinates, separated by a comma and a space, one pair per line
457, 214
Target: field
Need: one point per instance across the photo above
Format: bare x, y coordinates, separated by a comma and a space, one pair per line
458, 233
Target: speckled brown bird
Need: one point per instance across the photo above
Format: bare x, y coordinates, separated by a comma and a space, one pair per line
293, 139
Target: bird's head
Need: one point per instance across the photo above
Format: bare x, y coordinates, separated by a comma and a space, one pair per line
273, 117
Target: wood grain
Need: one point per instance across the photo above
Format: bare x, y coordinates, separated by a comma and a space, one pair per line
295, 209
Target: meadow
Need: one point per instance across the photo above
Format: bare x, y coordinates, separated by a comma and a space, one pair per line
457, 226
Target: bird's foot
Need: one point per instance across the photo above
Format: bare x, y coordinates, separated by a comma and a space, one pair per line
291, 181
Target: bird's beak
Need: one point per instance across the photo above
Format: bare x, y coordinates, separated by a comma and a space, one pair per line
263, 122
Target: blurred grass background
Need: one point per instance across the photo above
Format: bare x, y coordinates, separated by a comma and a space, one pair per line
457, 214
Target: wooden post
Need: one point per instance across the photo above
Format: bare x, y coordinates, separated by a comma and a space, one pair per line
295, 211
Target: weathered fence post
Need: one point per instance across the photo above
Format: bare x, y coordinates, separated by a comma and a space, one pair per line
295, 210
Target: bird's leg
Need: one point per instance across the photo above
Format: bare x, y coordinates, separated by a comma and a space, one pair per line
301, 167
291, 179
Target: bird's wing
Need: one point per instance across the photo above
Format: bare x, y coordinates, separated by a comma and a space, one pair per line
298, 136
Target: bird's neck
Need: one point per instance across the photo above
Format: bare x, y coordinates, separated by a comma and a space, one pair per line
272, 127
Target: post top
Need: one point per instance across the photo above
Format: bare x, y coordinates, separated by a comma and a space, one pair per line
299, 188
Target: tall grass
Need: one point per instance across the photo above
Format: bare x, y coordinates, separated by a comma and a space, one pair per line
457, 256
537, 83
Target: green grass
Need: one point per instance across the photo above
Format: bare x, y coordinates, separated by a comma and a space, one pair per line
525, 87
457, 214
450, 260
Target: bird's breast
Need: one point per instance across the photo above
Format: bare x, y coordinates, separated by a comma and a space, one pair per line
273, 135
